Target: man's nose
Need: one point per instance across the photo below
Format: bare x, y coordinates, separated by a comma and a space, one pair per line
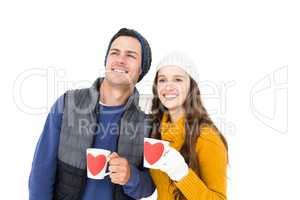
121, 59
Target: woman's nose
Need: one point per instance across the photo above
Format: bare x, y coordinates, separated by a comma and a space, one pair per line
169, 86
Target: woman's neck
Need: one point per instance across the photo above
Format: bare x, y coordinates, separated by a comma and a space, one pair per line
175, 114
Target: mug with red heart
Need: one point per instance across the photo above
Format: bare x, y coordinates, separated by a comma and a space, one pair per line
154, 151
96, 160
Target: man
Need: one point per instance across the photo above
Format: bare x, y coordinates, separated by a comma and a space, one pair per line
104, 116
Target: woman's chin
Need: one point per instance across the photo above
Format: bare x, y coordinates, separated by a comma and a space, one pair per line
171, 106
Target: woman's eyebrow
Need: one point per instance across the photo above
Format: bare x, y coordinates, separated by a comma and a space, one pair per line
161, 75
180, 76
172, 76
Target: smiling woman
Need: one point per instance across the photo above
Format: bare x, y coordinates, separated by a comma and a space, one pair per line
194, 168
172, 85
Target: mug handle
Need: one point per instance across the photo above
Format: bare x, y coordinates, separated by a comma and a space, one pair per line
166, 151
105, 174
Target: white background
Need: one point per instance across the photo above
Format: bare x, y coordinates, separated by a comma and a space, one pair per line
247, 53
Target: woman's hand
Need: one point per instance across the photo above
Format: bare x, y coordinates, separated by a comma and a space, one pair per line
174, 165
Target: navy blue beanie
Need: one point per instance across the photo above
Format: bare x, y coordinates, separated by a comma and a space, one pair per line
146, 50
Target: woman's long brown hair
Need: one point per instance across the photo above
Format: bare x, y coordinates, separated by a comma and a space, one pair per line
196, 116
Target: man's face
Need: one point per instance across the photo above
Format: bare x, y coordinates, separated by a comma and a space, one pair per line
123, 66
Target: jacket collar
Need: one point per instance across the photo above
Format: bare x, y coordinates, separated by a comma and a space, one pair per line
132, 101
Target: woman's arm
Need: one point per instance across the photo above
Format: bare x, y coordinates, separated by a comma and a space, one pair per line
212, 156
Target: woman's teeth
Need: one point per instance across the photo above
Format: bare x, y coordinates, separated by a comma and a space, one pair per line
170, 96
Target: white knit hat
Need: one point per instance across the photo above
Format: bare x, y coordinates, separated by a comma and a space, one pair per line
181, 60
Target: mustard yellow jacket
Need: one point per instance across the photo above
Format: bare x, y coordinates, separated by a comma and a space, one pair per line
212, 156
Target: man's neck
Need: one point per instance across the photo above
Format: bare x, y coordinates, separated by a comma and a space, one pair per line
114, 95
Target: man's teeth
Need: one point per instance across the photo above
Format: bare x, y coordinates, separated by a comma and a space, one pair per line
120, 71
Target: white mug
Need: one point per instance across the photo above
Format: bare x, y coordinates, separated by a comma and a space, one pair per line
154, 151
96, 160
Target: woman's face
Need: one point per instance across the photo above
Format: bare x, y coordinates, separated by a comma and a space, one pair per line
173, 84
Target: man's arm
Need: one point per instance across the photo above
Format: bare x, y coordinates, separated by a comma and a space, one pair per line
137, 183
43, 171
140, 184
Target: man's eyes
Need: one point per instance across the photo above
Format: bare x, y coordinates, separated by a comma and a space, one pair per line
131, 56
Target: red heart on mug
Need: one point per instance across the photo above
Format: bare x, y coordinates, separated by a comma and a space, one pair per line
95, 164
153, 152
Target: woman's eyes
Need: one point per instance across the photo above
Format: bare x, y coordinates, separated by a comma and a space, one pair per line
175, 80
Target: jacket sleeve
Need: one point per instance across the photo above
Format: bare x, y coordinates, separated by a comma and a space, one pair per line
140, 184
212, 156
43, 171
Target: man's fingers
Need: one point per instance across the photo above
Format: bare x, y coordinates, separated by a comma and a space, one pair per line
113, 156
117, 161
113, 159
117, 178
119, 169
116, 168
115, 175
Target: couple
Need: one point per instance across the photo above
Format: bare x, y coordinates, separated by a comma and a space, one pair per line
194, 168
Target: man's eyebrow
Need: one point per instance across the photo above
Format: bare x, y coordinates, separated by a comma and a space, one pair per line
114, 49
133, 52
128, 51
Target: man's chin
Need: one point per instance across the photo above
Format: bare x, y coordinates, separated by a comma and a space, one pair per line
120, 82
122, 79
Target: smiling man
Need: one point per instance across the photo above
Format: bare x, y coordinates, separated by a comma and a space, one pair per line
105, 116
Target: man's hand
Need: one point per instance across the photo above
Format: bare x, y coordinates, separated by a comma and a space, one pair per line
119, 169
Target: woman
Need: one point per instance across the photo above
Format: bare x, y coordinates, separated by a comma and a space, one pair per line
194, 168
